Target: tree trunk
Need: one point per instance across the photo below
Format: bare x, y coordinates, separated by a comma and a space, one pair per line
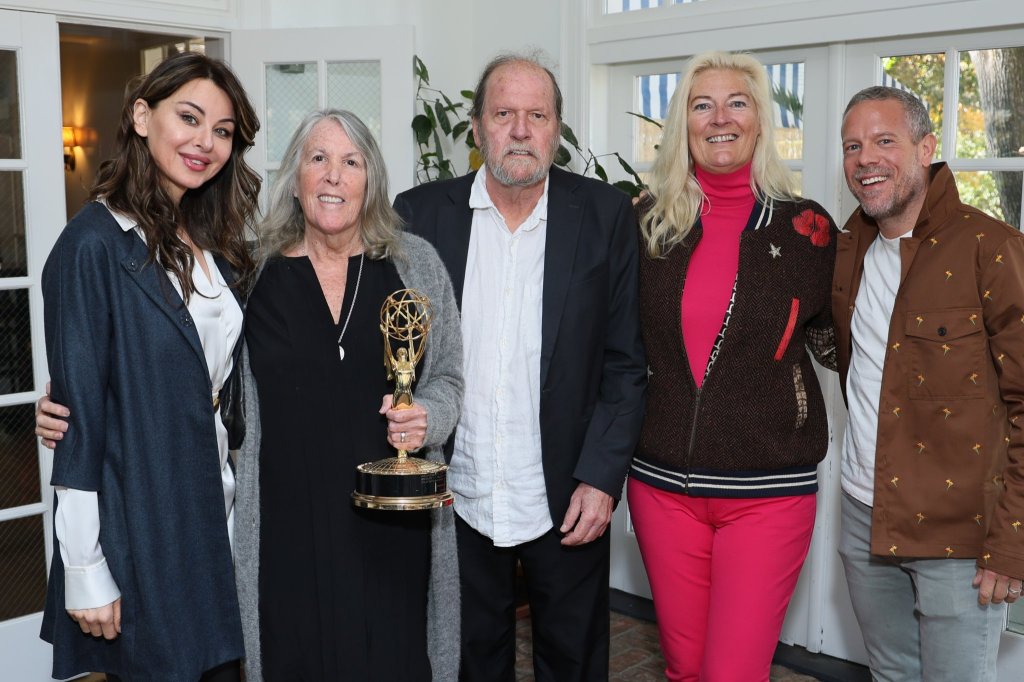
1001, 91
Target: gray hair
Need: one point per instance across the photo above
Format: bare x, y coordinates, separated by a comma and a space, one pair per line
379, 225
914, 109
480, 92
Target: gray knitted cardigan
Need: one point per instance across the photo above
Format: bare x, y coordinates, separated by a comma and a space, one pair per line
439, 390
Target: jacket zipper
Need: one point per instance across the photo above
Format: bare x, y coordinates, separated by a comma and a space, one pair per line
693, 436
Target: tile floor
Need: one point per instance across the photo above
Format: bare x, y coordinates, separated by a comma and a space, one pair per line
635, 655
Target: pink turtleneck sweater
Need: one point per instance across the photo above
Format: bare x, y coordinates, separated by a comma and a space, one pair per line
713, 266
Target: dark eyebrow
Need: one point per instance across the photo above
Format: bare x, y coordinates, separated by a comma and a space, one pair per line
203, 111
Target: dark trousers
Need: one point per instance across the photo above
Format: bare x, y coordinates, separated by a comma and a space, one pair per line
228, 672
568, 595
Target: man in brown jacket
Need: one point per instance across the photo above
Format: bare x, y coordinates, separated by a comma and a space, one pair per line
928, 300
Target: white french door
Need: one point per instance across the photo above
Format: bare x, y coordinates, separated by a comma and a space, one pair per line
31, 217
290, 72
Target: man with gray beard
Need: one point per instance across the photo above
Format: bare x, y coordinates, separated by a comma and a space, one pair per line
544, 266
928, 303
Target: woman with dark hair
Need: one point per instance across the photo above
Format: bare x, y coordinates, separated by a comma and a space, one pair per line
142, 315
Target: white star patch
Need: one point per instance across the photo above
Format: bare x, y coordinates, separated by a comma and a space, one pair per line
776, 251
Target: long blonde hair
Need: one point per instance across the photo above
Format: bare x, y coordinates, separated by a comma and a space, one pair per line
677, 196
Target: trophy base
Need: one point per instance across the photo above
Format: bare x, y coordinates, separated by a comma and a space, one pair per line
401, 484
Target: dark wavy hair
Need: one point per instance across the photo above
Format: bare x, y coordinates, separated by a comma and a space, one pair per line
220, 214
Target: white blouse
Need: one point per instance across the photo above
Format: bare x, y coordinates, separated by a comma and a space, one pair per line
218, 321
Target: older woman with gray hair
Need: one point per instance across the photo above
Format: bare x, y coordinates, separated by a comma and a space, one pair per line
329, 591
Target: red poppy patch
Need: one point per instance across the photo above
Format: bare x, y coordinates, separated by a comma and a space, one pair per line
813, 225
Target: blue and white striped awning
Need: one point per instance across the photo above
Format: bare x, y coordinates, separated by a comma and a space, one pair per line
656, 90
616, 6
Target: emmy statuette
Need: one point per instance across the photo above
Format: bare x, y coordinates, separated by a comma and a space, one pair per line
403, 482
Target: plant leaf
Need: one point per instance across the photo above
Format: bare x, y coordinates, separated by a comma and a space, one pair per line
459, 128
649, 120
468, 94
569, 135
421, 127
630, 188
471, 140
562, 156
600, 171
629, 169
420, 69
442, 117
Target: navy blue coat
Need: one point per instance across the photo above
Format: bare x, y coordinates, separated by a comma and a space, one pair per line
125, 357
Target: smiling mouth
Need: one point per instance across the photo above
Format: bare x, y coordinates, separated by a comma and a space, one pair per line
328, 199
722, 138
195, 163
872, 180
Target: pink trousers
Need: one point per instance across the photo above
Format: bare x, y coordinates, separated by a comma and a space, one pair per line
722, 572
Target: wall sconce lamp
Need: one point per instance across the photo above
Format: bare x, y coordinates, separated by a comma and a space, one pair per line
70, 137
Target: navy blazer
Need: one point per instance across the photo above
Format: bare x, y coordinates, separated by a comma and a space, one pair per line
124, 356
592, 367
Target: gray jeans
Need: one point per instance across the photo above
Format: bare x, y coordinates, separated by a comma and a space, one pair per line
920, 618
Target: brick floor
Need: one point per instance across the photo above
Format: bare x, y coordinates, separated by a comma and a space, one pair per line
635, 655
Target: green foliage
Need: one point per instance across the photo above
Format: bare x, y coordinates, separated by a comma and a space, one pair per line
924, 75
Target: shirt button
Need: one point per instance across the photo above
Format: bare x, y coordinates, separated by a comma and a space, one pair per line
133, 265
942, 331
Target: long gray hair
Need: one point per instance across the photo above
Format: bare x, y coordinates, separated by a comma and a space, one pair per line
677, 195
379, 225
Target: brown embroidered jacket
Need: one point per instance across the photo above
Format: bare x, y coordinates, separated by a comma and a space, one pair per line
949, 468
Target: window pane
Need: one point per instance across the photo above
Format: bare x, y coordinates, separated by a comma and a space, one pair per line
995, 192
356, 86
991, 103
787, 81
291, 94
15, 342
654, 91
19, 461
921, 75
12, 225
617, 6
22, 567
10, 134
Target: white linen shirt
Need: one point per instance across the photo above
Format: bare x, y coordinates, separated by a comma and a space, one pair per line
869, 333
218, 321
496, 472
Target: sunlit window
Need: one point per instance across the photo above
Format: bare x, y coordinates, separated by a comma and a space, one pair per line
988, 130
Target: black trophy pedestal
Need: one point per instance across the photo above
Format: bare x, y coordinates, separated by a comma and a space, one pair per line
401, 483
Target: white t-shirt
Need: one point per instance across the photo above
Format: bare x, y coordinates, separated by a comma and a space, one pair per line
869, 333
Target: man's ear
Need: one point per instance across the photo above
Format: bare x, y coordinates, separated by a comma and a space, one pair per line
926, 149
140, 117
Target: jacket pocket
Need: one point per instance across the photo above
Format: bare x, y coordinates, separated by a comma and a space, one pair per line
801, 395
787, 335
945, 353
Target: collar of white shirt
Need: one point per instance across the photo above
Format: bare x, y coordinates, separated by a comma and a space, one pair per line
480, 199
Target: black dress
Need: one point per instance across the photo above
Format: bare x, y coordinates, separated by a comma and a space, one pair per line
343, 591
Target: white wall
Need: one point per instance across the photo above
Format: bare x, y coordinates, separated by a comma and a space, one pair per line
454, 38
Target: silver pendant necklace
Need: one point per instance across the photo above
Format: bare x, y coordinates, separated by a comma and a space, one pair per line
359, 277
